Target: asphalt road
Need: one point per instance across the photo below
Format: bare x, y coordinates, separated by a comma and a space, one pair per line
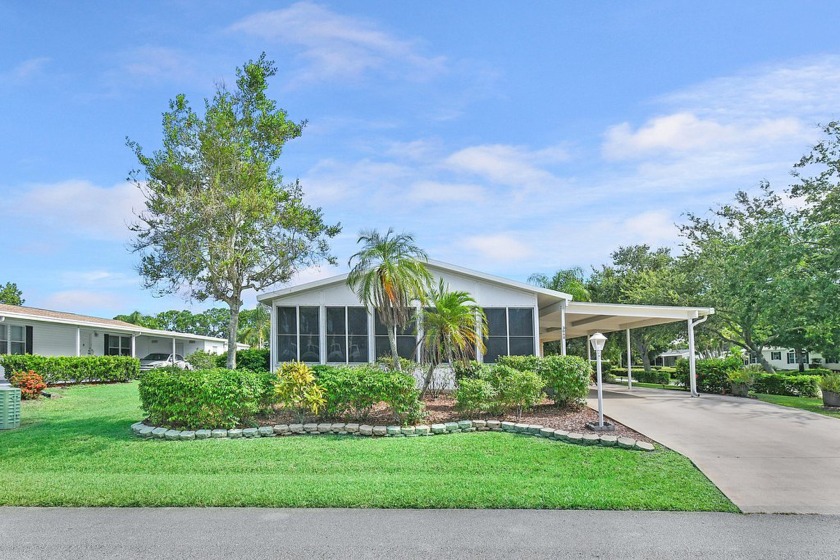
253, 533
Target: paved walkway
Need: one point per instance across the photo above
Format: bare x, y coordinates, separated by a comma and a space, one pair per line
254, 533
765, 458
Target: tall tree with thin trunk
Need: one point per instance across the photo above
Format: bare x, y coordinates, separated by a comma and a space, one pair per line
389, 274
218, 219
454, 327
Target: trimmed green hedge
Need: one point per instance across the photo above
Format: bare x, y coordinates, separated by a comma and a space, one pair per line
254, 359
204, 398
74, 369
712, 373
354, 390
790, 385
566, 376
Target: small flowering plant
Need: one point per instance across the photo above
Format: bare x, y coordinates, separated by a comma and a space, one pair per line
30, 384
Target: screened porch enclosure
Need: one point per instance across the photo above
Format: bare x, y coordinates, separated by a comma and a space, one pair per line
342, 334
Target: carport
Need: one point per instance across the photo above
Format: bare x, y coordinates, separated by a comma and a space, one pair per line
564, 319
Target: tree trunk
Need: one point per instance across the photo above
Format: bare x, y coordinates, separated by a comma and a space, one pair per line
800, 356
642, 348
392, 340
428, 379
757, 352
233, 327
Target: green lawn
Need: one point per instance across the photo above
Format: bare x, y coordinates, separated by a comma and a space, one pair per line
78, 451
804, 403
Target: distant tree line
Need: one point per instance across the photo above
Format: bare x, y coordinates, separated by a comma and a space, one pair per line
253, 323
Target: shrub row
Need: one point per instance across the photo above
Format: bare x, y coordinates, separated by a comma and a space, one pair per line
712, 373
74, 369
498, 389
253, 359
204, 398
354, 390
565, 377
517, 383
222, 398
655, 375
791, 385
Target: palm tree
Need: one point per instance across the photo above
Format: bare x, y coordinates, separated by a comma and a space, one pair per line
568, 280
254, 325
388, 275
453, 328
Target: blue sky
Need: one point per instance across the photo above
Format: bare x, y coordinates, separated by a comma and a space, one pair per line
509, 137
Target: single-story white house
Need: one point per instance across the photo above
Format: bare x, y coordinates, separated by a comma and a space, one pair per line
29, 330
785, 359
780, 358
323, 321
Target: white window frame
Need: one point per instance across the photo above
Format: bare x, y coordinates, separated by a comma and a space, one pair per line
9, 341
120, 347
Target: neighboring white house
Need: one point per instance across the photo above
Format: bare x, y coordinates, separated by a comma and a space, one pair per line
785, 358
29, 330
324, 322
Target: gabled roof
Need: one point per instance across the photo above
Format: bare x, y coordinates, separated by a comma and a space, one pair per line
61, 317
547, 296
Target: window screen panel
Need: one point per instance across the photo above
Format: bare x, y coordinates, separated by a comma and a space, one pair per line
287, 320
521, 321
495, 346
496, 321
521, 345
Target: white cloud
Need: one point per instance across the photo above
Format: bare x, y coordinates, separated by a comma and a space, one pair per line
509, 165
157, 64
99, 278
82, 301
336, 46
683, 132
503, 247
808, 87
708, 140
25, 70
79, 208
436, 193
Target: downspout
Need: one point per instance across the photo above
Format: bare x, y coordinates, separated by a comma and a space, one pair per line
692, 359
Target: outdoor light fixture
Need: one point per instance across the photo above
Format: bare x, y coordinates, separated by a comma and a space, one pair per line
598, 341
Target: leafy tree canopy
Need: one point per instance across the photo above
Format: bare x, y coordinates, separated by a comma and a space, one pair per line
10, 294
218, 218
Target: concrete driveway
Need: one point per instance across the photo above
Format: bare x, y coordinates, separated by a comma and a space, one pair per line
765, 458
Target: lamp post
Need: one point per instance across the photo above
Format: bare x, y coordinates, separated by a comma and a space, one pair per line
598, 341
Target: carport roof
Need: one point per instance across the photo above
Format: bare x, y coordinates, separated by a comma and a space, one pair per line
584, 318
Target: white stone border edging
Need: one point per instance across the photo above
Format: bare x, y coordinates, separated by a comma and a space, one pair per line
142, 430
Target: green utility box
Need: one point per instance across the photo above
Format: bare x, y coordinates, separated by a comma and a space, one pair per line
9, 408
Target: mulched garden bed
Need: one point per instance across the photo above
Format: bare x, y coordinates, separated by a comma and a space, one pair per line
442, 409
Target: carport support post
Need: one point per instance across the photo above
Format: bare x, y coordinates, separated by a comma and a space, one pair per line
589, 350
173, 351
692, 366
134, 346
78, 342
629, 363
563, 328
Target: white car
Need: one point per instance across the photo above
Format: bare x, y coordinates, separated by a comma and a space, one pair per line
159, 360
